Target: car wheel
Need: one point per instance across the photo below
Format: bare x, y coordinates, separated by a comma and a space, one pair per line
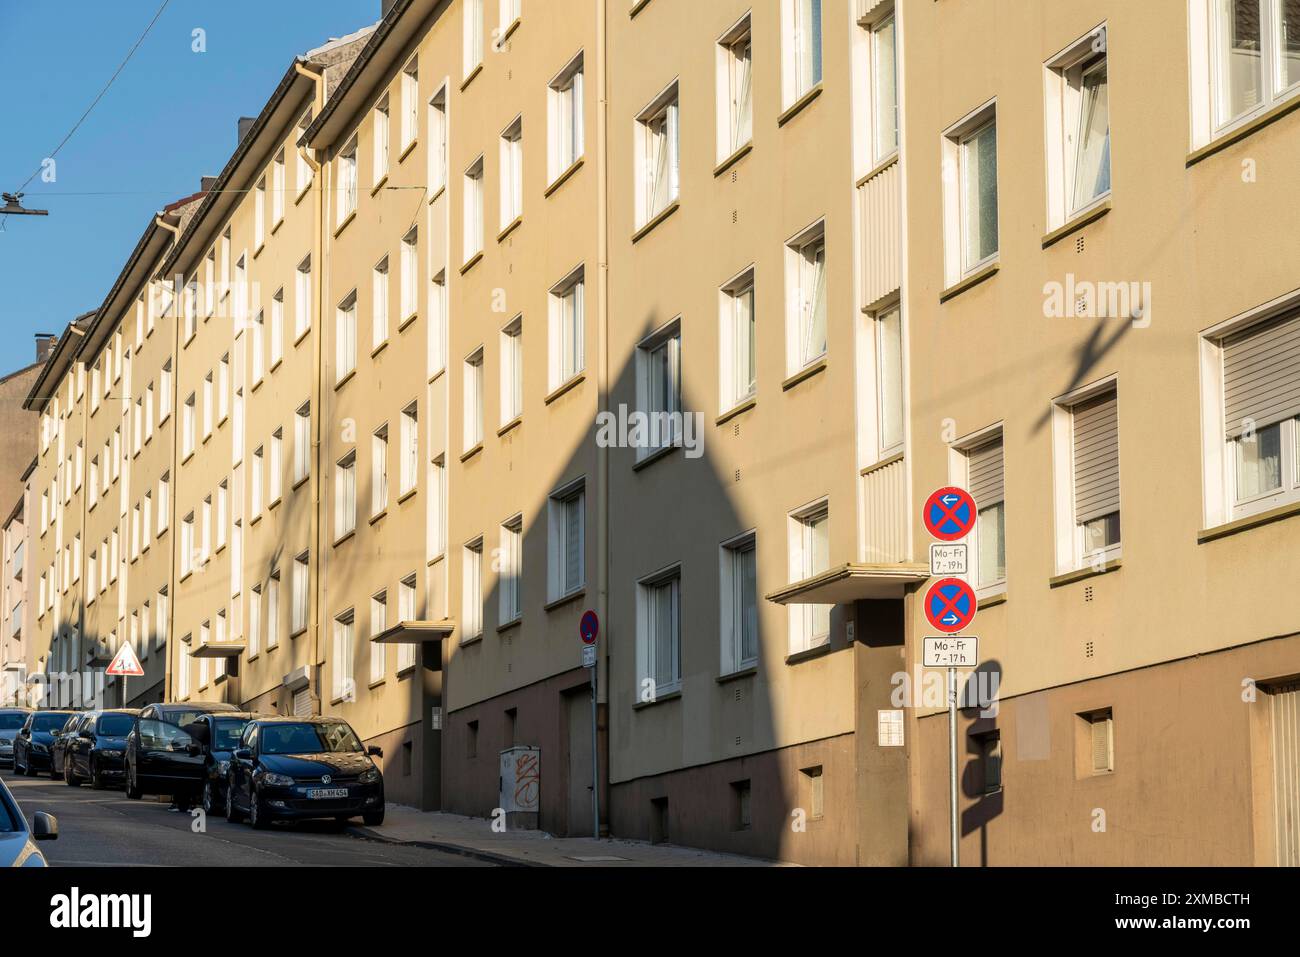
132, 786
257, 815
233, 814
69, 778
373, 818
209, 800
28, 770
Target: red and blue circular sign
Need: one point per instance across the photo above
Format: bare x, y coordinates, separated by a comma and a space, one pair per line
589, 627
949, 514
950, 605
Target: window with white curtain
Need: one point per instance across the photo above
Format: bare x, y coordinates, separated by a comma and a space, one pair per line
511, 565
382, 139
806, 291
564, 96
659, 363
512, 370
735, 89
410, 103
472, 590
566, 517
809, 555
379, 303
473, 217
345, 338
378, 625
410, 449
410, 274
801, 44
567, 330
658, 143
739, 608
347, 189
737, 336
512, 172
473, 400
345, 496
659, 650
379, 470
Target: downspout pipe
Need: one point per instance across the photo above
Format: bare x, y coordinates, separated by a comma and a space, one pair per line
170, 646
602, 389
316, 574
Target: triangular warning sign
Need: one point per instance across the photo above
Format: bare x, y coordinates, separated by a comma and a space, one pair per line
125, 662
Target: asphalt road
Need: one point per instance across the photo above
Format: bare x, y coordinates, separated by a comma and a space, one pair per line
104, 829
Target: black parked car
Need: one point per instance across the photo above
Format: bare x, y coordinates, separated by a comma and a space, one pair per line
32, 743
298, 768
11, 720
163, 758
218, 735
59, 743
93, 749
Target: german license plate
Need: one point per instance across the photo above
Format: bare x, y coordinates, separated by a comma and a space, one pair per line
325, 794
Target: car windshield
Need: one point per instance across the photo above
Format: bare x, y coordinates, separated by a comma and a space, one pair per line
50, 722
116, 725
12, 721
180, 718
228, 733
308, 738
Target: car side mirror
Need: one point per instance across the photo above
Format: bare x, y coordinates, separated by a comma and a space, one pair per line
242, 754
192, 749
45, 827
375, 751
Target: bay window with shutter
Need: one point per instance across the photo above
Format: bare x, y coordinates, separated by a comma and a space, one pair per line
1252, 439
983, 480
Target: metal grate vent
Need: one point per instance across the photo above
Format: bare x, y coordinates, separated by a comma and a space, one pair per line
1078, 244
1087, 649
1087, 593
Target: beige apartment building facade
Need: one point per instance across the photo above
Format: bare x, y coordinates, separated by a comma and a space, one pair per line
500, 313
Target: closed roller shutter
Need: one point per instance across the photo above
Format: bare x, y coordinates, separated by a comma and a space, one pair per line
984, 470
1261, 375
1096, 458
302, 703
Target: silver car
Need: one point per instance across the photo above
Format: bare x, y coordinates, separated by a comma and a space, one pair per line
18, 843
11, 719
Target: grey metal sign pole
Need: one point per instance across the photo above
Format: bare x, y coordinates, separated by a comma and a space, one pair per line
952, 759
595, 760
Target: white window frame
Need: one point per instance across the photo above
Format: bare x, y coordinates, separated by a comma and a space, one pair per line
1070, 554
345, 496
954, 141
647, 592
410, 450
959, 453
805, 619
473, 229
472, 40
345, 338
512, 370
381, 137
661, 349
379, 470
472, 590
566, 127
410, 122
512, 172
566, 357
573, 494
730, 595
379, 307
657, 168
802, 63
347, 188
472, 401
802, 277
1064, 101
737, 353
438, 127
510, 577
735, 88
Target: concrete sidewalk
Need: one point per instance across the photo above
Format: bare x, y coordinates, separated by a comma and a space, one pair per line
474, 837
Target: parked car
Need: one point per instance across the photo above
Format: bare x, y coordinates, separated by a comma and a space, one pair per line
17, 841
59, 744
218, 734
93, 748
163, 758
32, 743
297, 768
11, 721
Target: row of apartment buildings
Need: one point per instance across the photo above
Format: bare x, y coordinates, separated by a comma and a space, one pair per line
735, 287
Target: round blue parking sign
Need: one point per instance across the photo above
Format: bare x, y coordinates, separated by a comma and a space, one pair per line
589, 627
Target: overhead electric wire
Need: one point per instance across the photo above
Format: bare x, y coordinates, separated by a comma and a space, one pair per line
99, 96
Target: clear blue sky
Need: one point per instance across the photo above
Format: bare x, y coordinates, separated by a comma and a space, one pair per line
169, 118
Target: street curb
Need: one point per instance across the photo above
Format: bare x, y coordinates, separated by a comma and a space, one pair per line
460, 850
